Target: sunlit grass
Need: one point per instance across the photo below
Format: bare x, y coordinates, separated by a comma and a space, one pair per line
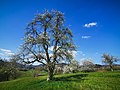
76, 81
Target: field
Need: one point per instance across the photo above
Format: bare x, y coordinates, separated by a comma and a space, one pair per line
75, 81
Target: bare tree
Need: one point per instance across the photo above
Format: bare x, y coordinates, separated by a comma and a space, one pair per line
48, 41
109, 59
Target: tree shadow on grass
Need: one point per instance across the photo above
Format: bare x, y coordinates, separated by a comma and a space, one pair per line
75, 78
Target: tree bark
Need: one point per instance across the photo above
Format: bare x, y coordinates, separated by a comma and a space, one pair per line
50, 73
111, 68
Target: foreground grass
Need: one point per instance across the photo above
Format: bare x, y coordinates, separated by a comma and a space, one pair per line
77, 81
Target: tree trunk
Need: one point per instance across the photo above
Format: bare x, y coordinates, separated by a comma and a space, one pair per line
111, 68
7, 77
50, 73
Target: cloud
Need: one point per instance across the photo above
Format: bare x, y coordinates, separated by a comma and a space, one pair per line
5, 52
77, 53
81, 53
74, 53
51, 48
85, 37
90, 24
1, 54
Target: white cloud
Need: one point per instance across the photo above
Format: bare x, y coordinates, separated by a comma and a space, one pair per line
85, 37
81, 53
9, 54
51, 48
74, 53
90, 24
5, 52
1, 54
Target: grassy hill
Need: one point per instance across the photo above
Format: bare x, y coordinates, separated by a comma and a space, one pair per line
76, 81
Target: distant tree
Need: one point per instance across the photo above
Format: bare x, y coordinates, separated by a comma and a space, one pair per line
66, 69
14, 63
36, 71
87, 62
72, 67
48, 41
1, 63
10, 72
8, 69
5, 71
58, 70
14, 60
87, 65
109, 59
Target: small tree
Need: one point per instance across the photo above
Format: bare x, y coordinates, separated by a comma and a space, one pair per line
47, 41
87, 65
66, 69
109, 59
14, 64
87, 62
8, 70
72, 67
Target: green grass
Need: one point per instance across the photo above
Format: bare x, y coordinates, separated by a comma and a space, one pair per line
76, 81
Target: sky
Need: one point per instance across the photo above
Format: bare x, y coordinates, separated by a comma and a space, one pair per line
95, 25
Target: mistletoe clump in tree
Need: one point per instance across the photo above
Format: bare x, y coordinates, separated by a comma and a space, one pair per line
48, 41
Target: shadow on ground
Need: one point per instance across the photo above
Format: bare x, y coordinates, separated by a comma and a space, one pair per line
76, 78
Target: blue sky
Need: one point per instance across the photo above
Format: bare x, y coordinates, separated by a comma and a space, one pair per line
95, 24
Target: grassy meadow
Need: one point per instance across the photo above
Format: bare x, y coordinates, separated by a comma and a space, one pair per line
74, 81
